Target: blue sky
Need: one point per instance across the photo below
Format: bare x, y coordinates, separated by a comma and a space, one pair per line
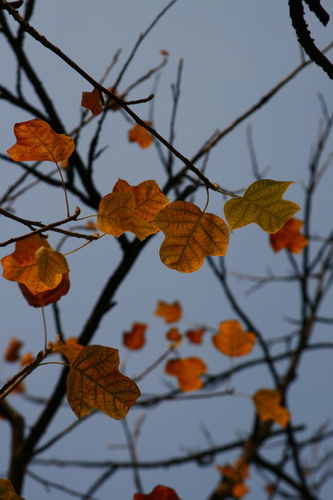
233, 53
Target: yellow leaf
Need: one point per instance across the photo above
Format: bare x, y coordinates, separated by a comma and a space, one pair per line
7, 491
232, 340
36, 141
188, 371
267, 403
94, 382
131, 208
261, 204
171, 313
190, 236
51, 266
70, 349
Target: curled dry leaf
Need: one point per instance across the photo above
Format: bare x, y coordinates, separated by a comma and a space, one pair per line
41, 272
232, 340
188, 371
190, 236
289, 237
261, 204
36, 141
171, 313
95, 383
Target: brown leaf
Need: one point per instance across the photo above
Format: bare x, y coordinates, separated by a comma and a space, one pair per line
135, 339
95, 383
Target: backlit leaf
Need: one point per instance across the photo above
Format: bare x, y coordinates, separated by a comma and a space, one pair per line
36, 141
232, 340
43, 299
188, 371
171, 313
131, 208
267, 403
159, 493
35, 265
70, 348
95, 383
289, 237
236, 475
135, 339
92, 101
7, 491
141, 136
12, 351
190, 236
261, 204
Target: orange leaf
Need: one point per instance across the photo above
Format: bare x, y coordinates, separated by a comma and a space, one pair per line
26, 359
94, 382
70, 349
190, 236
188, 371
35, 265
232, 340
158, 493
131, 208
267, 403
43, 299
140, 135
289, 237
236, 475
171, 313
195, 336
36, 141
12, 352
173, 335
135, 339
92, 101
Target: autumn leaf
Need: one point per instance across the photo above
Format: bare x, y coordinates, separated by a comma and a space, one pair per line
140, 135
173, 335
236, 475
70, 348
27, 359
43, 299
261, 204
289, 237
135, 339
267, 403
92, 101
95, 383
7, 491
171, 313
36, 141
232, 340
188, 371
195, 336
12, 351
131, 208
158, 493
35, 264
190, 236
